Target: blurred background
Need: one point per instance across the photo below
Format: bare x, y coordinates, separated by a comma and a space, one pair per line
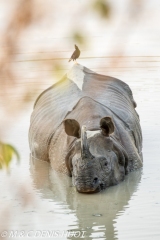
116, 38
37, 38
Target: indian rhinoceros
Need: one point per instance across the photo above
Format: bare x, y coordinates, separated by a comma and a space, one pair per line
86, 126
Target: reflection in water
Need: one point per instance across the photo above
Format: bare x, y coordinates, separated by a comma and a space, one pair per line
61, 207
95, 213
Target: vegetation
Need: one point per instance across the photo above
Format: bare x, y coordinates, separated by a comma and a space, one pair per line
7, 153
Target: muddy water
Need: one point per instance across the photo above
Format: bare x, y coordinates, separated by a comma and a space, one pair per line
39, 203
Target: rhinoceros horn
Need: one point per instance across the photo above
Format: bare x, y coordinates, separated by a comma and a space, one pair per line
85, 153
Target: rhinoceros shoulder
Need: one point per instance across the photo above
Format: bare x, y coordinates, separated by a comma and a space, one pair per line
50, 109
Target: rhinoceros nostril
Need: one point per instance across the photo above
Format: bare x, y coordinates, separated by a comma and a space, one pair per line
95, 180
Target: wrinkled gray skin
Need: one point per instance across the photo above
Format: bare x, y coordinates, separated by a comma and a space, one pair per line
97, 162
93, 134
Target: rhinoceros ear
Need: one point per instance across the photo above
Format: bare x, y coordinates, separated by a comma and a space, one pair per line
107, 126
72, 128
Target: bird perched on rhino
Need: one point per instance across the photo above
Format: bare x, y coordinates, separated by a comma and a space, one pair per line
75, 54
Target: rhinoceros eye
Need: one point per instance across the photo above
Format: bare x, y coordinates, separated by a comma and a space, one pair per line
106, 163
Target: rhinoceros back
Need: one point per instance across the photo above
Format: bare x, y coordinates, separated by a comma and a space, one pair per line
49, 111
117, 96
60, 101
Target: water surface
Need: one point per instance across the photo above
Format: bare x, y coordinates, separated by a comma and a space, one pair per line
35, 198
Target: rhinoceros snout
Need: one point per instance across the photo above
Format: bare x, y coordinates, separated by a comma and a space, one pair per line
95, 181
89, 187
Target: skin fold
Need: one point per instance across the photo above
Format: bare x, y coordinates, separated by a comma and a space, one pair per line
89, 131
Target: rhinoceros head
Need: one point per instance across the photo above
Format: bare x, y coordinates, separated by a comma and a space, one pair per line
95, 162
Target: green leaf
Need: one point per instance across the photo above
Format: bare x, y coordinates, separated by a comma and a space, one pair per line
7, 152
14, 151
102, 7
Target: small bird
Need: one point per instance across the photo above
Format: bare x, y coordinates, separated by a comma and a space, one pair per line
75, 54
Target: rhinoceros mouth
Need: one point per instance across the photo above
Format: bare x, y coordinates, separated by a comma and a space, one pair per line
99, 188
89, 191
